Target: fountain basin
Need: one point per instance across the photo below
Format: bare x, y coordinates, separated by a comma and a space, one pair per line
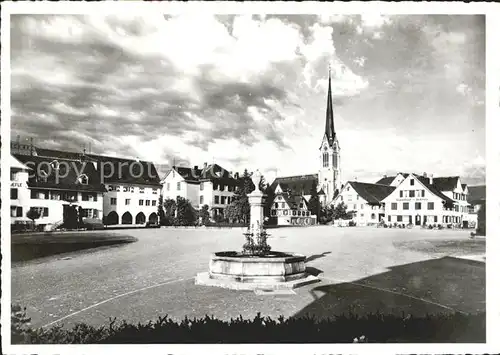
275, 270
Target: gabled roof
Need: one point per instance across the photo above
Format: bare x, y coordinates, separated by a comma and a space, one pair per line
66, 179
297, 185
372, 193
477, 193
445, 183
114, 170
386, 180
433, 189
17, 165
213, 172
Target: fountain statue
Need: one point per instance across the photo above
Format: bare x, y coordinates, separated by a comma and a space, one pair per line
256, 266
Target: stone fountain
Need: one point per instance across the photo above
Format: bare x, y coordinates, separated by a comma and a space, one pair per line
256, 266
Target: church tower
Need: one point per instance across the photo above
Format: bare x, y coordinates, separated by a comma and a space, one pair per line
329, 172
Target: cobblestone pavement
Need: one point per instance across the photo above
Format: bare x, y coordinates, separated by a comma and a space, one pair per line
361, 270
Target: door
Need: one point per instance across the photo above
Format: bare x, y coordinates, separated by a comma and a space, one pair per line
410, 219
417, 220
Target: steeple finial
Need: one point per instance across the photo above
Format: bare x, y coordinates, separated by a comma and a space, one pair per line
329, 127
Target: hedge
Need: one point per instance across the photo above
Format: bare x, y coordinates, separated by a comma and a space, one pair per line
372, 328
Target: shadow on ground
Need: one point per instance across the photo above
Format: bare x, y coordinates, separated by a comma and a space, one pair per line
445, 285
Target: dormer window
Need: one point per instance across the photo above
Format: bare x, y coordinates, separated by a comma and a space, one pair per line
43, 176
83, 179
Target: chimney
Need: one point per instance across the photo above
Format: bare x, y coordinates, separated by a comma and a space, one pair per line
431, 180
385, 175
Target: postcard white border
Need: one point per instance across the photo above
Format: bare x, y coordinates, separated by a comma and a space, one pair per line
139, 8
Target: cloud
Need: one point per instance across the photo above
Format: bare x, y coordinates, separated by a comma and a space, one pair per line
250, 91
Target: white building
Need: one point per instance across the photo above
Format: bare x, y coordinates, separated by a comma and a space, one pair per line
114, 190
364, 201
19, 191
212, 186
54, 186
419, 200
291, 209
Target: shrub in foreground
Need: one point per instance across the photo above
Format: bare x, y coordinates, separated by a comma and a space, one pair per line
373, 328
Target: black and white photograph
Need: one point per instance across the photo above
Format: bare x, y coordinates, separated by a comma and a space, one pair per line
205, 177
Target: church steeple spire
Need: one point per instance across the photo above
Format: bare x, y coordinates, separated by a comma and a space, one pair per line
329, 127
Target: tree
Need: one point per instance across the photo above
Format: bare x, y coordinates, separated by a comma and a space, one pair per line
314, 205
239, 209
161, 211
270, 195
169, 207
33, 214
205, 215
481, 220
340, 211
186, 214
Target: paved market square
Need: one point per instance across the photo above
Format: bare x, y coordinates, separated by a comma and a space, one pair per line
362, 270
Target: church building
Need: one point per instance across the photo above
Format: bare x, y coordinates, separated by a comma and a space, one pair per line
299, 188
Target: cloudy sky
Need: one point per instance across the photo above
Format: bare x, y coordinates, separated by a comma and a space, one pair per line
250, 91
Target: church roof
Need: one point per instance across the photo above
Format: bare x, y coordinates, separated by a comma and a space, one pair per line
298, 185
477, 194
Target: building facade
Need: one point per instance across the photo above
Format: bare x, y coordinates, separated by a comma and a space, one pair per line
55, 186
289, 209
364, 201
211, 185
424, 200
112, 190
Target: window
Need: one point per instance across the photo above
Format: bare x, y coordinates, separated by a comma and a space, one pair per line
276, 205
148, 202
273, 212
357, 197
141, 202
228, 200
141, 190
423, 193
16, 211
388, 218
126, 189
155, 191
294, 213
412, 193
223, 200
168, 186
354, 207
435, 219
178, 186
13, 194
362, 215
406, 205
430, 205
153, 202
215, 186
373, 215
131, 189
127, 201
285, 212
412, 182
216, 198
362, 206
301, 205
87, 212
85, 197
400, 219
13, 177
202, 186
83, 179
401, 193
112, 201
325, 160
221, 187
201, 200
394, 206
418, 205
